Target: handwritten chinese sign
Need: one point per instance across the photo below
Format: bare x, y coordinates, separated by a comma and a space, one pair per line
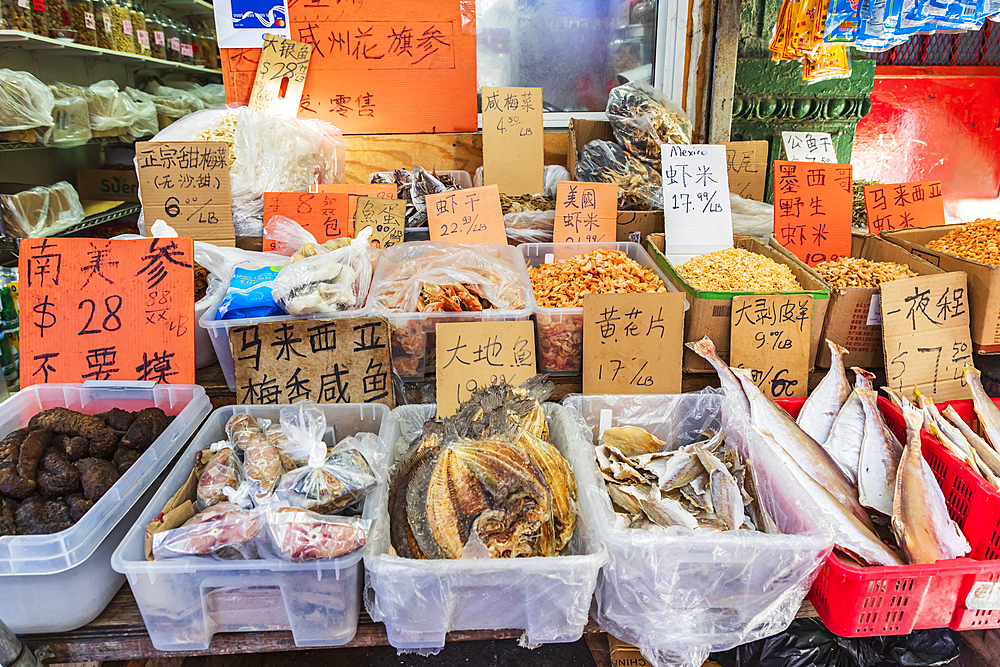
355, 190
925, 330
513, 154
327, 361
903, 206
809, 147
632, 343
472, 215
770, 336
696, 213
586, 212
322, 215
186, 184
747, 165
281, 74
813, 210
384, 216
471, 355
94, 309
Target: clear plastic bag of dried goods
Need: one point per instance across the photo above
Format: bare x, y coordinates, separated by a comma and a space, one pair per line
639, 184
222, 471
110, 108
224, 531
70, 123
261, 459
25, 102
293, 240
42, 211
300, 535
529, 226
643, 119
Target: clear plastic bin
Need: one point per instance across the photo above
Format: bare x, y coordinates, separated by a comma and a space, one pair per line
678, 595
184, 601
420, 601
413, 341
560, 330
39, 573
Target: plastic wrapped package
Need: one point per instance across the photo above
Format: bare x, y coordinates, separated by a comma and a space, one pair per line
109, 107
529, 226
678, 594
300, 535
639, 185
145, 122
553, 174
71, 123
643, 119
753, 218
223, 471
191, 101
25, 102
212, 94
225, 531
42, 211
420, 601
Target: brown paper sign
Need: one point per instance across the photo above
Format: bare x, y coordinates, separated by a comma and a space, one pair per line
186, 184
281, 75
327, 361
586, 212
384, 216
513, 154
770, 336
925, 330
747, 163
632, 343
472, 215
471, 355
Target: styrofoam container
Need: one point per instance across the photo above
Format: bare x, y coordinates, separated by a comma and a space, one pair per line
59, 582
462, 178
422, 600
560, 330
185, 601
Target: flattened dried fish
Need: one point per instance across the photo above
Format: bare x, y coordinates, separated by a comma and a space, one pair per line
880, 452
727, 499
628, 498
617, 467
847, 432
631, 440
823, 405
989, 414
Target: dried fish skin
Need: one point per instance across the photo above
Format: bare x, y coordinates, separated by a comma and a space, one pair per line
617, 467
632, 441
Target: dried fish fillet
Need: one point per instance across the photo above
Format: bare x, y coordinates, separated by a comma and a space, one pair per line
631, 440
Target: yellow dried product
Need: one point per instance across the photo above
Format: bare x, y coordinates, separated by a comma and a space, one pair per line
857, 272
737, 270
564, 284
978, 241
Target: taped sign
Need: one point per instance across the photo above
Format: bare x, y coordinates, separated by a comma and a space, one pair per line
281, 75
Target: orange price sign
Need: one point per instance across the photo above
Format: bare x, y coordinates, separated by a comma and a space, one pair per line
813, 209
323, 215
356, 190
903, 206
96, 309
586, 212
472, 215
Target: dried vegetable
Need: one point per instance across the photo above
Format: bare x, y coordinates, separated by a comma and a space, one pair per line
857, 272
521, 203
413, 186
639, 185
859, 214
737, 270
978, 241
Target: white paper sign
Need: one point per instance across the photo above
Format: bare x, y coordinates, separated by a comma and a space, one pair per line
984, 595
809, 147
875, 311
696, 214
241, 24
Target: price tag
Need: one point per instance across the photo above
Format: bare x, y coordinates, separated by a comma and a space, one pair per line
26, 4
813, 207
281, 75
513, 152
159, 38
187, 51
143, 36
95, 309
809, 147
327, 361
384, 216
586, 212
107, 23
127, 27
903, 206
355, 190
471, 355
696, 213
38, 5
472, 215
925, 331
770, 336
186, 184
88, 21
175, 44
322, 215
632, 343
746, 162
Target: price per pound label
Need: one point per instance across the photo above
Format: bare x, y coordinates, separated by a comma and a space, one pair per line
586, 212
770, 337
513, 150
466, 216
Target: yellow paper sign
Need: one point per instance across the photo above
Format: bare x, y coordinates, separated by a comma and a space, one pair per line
384, 216
585, 212
513, 151
281, 75
472, 215
770, 336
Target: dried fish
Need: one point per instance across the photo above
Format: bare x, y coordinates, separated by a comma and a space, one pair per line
823, 405
847, 432
631, 440
989, 414
727, 499
879, 459
705, 348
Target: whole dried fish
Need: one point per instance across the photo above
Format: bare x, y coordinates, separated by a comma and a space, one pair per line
989, 413
823, 405
727, 499
666, 512
705, 349
987, 453
880, 452
847, 432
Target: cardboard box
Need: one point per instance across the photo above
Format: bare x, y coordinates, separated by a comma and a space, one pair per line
108, 184
984, 282
711, 312
847, 316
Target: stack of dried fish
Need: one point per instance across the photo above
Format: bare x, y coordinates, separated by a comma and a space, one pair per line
521, 203
485, 481
413, 186
698, 486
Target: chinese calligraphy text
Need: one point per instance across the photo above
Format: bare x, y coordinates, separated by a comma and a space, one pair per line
812, 210
770, 336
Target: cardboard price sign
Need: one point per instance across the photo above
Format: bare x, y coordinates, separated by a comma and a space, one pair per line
327, 361
925, 331
281, 75
186, 184
586, 212
95, 309
813, 207
322, 215
472, 215
903, 205
513, 153
770, 336
696, 213
747, 165
471, 355
633, 343
384, 216
353, 191
809, 147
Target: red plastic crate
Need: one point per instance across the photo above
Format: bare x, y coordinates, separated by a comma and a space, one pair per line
855, 601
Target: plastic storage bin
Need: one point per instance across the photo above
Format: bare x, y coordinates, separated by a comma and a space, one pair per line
421, 600
560, 330
413, 340
184, 601
678, 595
40, 573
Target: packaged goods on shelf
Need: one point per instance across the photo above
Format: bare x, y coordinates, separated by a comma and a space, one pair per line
42, 211
111, 110
83, 20
71, 123
25, 102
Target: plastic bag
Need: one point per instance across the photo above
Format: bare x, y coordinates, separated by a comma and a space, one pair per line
553, 174
261, 461
42, 211
288, 235
70, 123
643, 119
212, 94
224, 531
329, 282
529, 226
753, 218
191, 101
250, 294
109, 107
299, 535
639, 185
223, 471
145, 123
25, 102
